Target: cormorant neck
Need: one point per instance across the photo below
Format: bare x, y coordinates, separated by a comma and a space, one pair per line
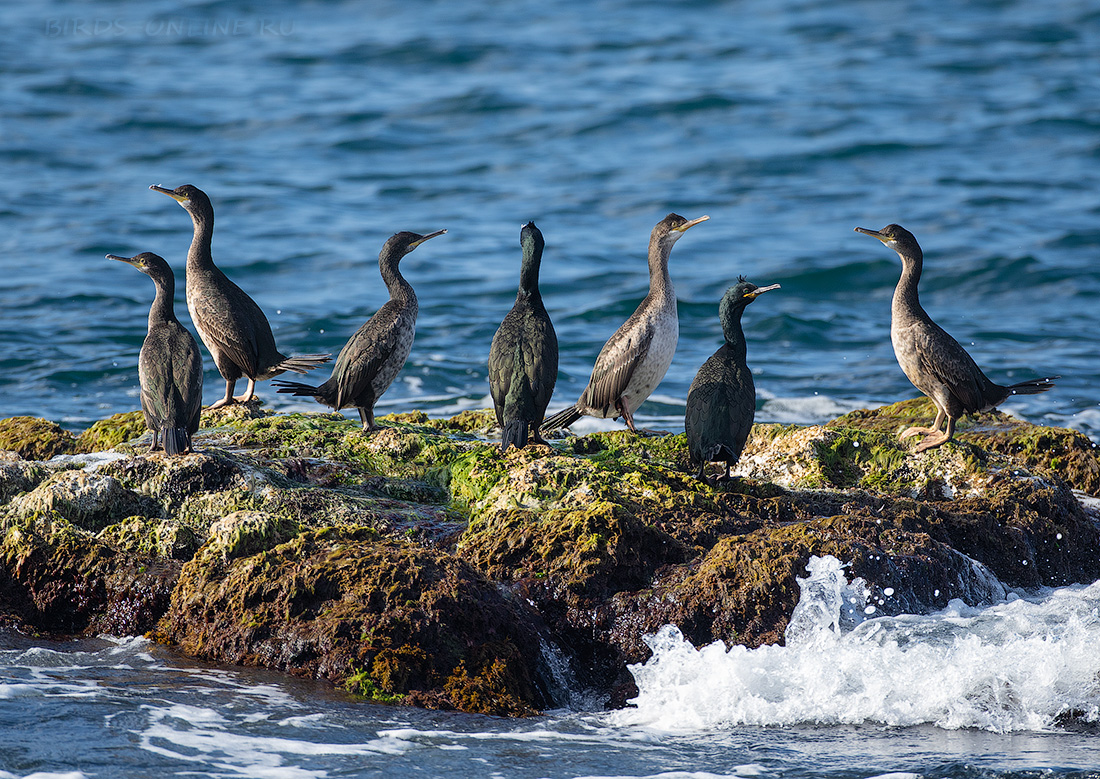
199, 253
660, 283
735, 336
529, 273
163, 309
399, 289
905, 294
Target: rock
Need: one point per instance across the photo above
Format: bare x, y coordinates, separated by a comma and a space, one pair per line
35, 439
419, 564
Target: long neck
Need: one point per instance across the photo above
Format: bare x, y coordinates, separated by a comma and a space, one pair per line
660, 283
735, 336
529, 274
199, 253
906, 300
162, 309
400, 290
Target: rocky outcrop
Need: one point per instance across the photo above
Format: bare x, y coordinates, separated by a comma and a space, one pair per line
421, 565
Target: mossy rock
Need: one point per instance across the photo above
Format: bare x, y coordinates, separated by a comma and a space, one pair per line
109, 433
382, 617
35, 439
59, 579
89, 500
1069, 454
151, 537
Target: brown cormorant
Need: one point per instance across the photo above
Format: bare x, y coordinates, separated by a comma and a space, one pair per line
934, 361
232, 326
635, 359
721, 403
372, 358
169, 365
523, 360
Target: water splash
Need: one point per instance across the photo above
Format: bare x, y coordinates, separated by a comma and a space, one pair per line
1013, 666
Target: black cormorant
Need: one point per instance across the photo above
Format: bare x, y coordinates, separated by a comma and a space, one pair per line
372, 358
934, 361
721, 403
169, 365
523, 360
635, 359
232, 326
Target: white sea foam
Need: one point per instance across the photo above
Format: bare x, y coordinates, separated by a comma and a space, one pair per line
1013, 666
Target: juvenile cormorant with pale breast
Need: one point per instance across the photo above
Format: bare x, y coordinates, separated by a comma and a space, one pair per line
635, 359
721, 403
523, 359
934, 361
373, 357
232, 326
169, 365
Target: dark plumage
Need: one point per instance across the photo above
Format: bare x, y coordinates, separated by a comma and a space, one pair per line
721, 403
934, 361
232, 326
523, 359
169, 365
373, 357
635, 359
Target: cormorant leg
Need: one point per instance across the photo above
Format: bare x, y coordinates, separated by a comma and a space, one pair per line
153, 443
940, 439
701, 476
536, 436
248, 393
367, 417
229, 385
620, 404
934, 430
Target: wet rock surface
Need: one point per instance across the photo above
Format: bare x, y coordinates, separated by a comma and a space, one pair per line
421, 565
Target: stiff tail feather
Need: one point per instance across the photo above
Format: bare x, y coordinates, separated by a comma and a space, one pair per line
176, 440
302, 363
1032, 387
563, 418
514, 434
297, 389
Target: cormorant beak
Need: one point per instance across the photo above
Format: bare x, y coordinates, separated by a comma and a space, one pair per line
686, 225
129, 260
178, 198
761, 290
429, 236
874, 234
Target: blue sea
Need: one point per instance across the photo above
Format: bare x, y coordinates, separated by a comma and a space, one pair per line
321, 128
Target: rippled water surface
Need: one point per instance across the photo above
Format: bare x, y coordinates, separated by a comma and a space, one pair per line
320, 129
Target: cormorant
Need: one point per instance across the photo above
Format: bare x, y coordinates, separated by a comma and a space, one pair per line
634, 360
232, 326
721, 403
934, 361
523, 360
372, 358
169, 365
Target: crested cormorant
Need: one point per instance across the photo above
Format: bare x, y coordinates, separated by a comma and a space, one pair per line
372, 358
169, 365
232, 326
721, 403
934, 361
634, 360
523, 360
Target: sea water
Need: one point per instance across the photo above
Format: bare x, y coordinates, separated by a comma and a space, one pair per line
964, 693
320, 129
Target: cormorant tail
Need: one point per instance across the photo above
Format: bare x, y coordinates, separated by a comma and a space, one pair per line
297, 389
563, 418
1032, 387
515, 434
176, 440
301, 363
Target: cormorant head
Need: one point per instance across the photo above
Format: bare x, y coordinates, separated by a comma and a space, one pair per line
401, 244
152, 264
531, 236
669, 229
897, 238
743, 293
193, 199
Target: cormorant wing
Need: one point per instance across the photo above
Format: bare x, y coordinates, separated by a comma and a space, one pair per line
944, 358
615, 365
364, 354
